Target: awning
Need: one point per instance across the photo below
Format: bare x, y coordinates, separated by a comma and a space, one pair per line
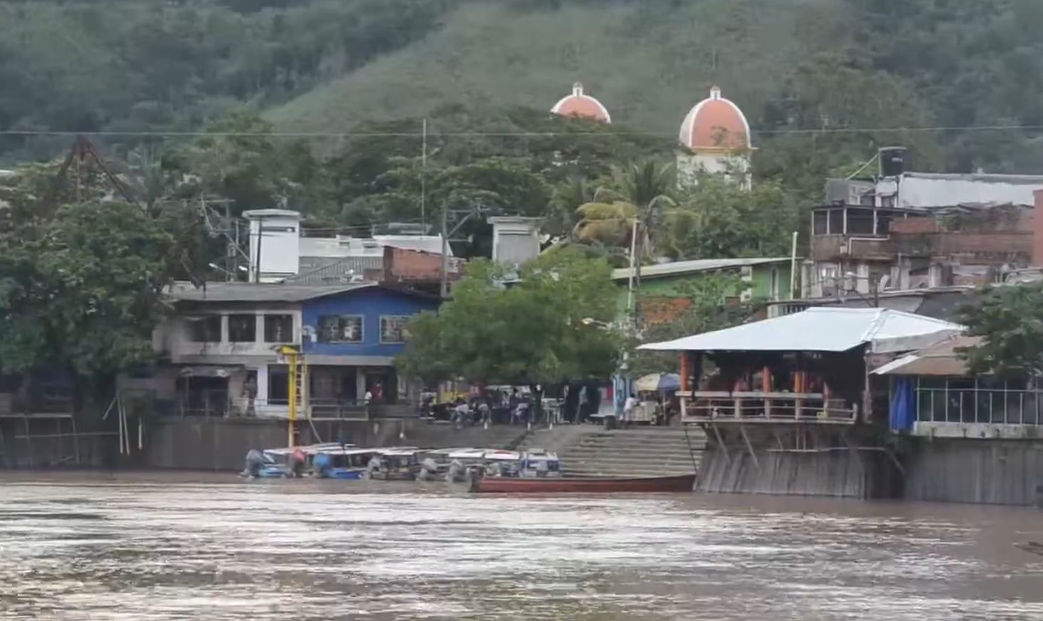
823, 329
210, 371
655, 382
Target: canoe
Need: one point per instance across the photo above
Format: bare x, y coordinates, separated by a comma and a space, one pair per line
563, 485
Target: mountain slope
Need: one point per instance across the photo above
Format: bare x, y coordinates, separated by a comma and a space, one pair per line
647, 62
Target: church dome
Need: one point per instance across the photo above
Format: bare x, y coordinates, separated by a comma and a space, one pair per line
580, 105
715, 123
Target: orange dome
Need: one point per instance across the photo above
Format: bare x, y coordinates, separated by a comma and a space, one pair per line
715, 123
579, 105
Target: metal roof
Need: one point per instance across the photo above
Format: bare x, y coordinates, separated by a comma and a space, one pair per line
824, 330
695, 266
941, 359
325, 270
254, 292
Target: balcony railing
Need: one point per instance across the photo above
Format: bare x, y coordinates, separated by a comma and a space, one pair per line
768, 407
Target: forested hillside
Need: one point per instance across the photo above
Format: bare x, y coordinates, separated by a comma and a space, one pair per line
327, 65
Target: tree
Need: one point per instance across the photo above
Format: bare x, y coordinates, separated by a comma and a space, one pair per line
1009, 321
639, 194
529, 333
720, 219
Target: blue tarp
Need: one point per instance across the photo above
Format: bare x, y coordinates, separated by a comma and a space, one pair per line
903, 405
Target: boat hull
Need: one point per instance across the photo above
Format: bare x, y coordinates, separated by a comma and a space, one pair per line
562, 485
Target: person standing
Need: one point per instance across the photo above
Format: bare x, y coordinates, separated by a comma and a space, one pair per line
628, 409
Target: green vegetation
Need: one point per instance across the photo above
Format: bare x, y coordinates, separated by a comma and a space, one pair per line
531, 333
1010, 322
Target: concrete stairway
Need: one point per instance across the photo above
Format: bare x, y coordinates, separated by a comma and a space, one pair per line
634, 452
559, 439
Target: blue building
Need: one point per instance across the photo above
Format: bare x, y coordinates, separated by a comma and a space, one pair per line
223, 344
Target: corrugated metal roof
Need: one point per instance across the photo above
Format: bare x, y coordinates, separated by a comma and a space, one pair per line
254, 292
939, 359
323, 270
692, 267
822, 329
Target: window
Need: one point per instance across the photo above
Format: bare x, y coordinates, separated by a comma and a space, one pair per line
340, 329
394, 328
205, 329
278, 384
278, 328
860, 222
242, 328
820, 222
835, 222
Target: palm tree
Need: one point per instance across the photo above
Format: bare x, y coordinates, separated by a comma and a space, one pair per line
638, 194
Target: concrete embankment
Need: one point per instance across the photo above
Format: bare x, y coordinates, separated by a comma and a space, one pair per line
980, 471
221, 443
787, 461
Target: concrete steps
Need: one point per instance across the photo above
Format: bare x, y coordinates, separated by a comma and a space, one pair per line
635, 452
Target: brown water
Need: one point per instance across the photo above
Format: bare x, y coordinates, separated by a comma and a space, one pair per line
172, 548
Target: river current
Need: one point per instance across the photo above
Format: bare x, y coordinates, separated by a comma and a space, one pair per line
161, 547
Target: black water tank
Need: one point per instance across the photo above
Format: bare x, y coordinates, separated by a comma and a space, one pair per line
892, 161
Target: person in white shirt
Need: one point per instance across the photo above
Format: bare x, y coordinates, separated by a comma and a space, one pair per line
628, 407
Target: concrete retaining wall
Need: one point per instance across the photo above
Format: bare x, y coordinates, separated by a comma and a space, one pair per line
975, 471
221, 444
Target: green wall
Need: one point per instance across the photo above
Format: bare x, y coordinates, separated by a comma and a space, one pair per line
674, 285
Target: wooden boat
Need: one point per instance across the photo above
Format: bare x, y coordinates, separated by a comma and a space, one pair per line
565, 485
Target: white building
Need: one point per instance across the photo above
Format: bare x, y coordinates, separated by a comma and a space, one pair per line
278, 251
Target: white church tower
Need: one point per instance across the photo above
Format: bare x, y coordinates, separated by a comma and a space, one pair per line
715, 138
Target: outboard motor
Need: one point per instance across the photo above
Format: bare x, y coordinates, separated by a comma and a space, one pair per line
254, 463
428, 470
457, 473
373, 467
320, 466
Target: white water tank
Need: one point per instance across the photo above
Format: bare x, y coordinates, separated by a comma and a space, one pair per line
275, 243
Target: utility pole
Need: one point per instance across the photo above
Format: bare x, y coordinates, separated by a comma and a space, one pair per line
423, 179
443, 272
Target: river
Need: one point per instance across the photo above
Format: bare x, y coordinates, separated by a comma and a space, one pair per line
164, 547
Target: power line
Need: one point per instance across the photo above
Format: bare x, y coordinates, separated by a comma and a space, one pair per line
517, 134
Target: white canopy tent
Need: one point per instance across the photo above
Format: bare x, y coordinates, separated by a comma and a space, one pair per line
823, 329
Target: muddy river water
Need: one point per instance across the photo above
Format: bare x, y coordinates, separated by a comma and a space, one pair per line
161, 547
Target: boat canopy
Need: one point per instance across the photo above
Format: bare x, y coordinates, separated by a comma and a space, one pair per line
399, 451
448, 452
822, 329
310, 449
486, 454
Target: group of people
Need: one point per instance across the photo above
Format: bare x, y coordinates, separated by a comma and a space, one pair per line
479, 410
